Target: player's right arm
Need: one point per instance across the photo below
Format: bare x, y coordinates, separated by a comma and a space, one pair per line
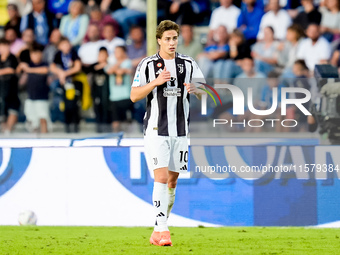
140, 91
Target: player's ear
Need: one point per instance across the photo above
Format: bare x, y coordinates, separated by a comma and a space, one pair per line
159, 41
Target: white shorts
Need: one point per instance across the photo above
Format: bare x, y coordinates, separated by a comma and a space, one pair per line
35, 110
167, 151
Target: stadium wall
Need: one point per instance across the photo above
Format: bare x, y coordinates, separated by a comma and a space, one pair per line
112, 186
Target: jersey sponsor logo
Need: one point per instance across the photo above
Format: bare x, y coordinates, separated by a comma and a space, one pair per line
172, 82
155, 161
171, 92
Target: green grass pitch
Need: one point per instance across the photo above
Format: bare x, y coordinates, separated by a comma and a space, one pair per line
210, 241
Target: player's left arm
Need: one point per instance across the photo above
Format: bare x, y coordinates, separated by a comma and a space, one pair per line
192, 89
197, 76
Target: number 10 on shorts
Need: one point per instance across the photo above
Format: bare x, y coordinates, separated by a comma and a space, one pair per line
183, 155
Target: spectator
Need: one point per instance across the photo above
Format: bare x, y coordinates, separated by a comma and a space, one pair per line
66, 64
16, 43
49, 53
249, 20
189, 46
301, 80
106, 6
308, 16
267, 97
74, 25
301, 71
250, 78
277, 18
120, 86
330, 21
40, 21
24, 6
267, 91
218, 17
3, 13
88, 52
265, 52
28, 38
52, 47
14, 19
133, 13
212, 59
335, 61
8, 87
100, 20
288, 49
111, 41
100, 91
315, 49
136, 50
238, 51
189, 11
58, 8
37, 105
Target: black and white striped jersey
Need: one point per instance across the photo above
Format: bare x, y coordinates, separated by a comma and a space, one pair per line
167, 106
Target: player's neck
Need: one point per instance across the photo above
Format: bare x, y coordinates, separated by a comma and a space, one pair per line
167, 56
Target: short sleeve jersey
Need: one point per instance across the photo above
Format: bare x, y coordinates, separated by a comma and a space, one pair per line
167, 106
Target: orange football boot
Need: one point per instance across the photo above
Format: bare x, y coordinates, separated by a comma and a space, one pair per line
165, 239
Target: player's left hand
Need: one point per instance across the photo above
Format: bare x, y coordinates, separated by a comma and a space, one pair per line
191, 88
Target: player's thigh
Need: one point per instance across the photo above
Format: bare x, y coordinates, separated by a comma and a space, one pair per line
179, 154
157, 151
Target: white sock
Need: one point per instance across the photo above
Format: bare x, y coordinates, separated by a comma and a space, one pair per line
160, 203
171, 195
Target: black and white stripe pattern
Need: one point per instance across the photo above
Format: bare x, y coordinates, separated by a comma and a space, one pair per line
167, 115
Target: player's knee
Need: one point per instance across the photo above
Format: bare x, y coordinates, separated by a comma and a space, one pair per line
172, 184
161, 178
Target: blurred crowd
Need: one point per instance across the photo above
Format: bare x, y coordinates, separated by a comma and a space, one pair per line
59, 59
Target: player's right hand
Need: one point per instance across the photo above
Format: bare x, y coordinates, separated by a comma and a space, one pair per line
163, 77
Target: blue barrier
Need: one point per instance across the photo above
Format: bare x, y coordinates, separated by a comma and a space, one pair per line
267, 201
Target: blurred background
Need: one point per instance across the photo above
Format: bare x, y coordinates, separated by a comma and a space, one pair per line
67, 66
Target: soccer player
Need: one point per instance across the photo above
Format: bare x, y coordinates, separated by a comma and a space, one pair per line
165, 79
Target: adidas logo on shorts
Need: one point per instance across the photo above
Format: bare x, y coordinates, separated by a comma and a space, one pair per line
184, 168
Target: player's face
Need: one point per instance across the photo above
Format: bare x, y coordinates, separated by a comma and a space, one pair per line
168, 42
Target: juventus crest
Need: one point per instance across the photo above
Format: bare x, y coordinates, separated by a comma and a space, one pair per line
180, 68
